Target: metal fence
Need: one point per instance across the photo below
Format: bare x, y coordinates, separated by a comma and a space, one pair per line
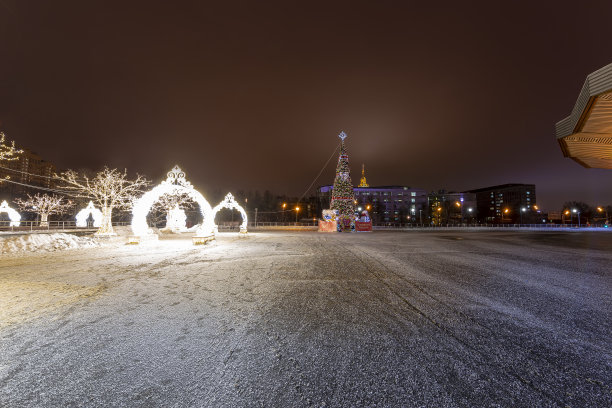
25, 226
491, 226
71, 225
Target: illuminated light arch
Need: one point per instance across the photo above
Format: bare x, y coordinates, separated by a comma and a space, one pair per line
229, 202
81, 217
175, 183
13, 215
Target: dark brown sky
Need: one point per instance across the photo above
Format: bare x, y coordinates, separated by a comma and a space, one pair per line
251, 95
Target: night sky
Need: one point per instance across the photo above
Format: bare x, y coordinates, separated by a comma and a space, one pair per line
251, 95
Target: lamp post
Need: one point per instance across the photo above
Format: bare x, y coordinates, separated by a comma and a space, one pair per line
523, 209
578, 212
297, 210
601, 209
506, 211
283, 213
460, 205
461, 199
470, 212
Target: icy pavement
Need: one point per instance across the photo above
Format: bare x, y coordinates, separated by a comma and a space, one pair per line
291, 319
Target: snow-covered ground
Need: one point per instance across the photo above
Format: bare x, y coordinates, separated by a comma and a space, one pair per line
44, 242
435, 319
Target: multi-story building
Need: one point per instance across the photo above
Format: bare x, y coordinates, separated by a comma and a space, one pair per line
386, 204
452, 208
28, 170
506, 203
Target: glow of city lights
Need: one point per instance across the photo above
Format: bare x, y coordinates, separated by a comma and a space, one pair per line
81, 217
13, 215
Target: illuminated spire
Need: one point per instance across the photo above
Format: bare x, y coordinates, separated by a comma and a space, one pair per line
363, 182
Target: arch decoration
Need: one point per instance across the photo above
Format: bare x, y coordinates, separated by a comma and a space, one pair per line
13, 215
175, 183
83, 215
232, 204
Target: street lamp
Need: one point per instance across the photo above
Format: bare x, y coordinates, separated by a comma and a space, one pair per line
506, 211
601, 209
283, 215
523, 209
578, 212
297, 210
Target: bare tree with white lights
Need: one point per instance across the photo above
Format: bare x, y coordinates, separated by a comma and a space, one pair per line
8, 151
44, 205
109, 188
168, 201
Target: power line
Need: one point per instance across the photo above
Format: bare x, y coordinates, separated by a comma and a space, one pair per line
310, 186
44, 188
25, 172
321, 171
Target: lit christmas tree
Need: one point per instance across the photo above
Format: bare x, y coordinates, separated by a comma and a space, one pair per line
343, 197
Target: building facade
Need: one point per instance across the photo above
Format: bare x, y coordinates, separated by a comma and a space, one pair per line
28, 170
506, 203
452, 208
386, 204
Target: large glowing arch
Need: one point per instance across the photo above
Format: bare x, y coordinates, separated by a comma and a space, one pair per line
229, 202
13, 215
175, 183
81, 217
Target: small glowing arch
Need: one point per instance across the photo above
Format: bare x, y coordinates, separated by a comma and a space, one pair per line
81, 217
229, 202
175, 183
13, 215
176, 219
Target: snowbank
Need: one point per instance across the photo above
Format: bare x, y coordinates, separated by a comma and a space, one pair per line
44, 242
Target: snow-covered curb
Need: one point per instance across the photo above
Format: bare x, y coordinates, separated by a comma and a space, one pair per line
44, 243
